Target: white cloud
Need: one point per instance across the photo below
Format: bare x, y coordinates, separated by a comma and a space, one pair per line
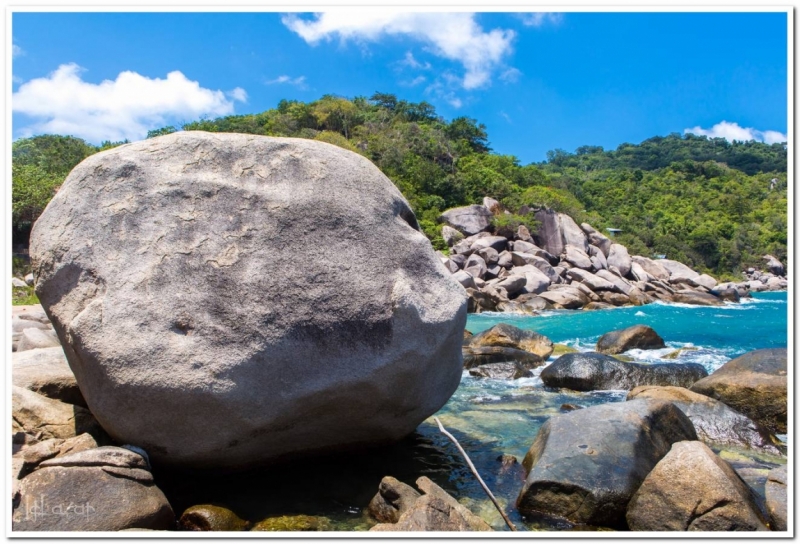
125, 108
238, 94
411, 62
414, 82
505, 116
299, 82
510, 76
442, 88
541, 18
453, 36
16, 51
732, 131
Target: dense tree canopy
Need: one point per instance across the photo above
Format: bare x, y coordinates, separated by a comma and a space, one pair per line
705, 201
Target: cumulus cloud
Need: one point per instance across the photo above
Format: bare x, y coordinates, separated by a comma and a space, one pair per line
541, 18
238, 94
287, 80
125, 108
510, 76
732, 131
453, 36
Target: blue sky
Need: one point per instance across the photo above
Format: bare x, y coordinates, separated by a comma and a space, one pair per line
537, 81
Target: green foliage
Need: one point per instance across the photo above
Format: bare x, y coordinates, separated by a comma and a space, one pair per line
512, 221
703, 201
23, 296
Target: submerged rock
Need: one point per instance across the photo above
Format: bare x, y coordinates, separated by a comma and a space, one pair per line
502, 371
317, 316
754, 384
635, 337
692, 489
509, 336
435, 511
585, 465
208, 517
715, 423
294, 523
590, 371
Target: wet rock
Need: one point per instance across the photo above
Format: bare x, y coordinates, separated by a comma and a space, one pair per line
208, 517
777, 505
503, 371
561, 349
585, 465
364, 296
716, 424
729, 294
569, 407
475, 357
47, 418
294, 523
435, 511
692, 489
754, 384
592, 371
635, 337
392, 500
468, 219
508, 336
699, 299
82, 492
46, 371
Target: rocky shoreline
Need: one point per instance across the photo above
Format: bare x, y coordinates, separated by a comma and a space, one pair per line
565, 266
174, 338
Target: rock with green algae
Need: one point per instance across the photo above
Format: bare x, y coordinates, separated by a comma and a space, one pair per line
294, 523
678, 352
561, 349
208, 517
392, 500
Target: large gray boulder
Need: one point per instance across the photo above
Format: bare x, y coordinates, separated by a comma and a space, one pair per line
716, 424
678, 271
556, 231
229, 299
692, 489
651, 267
618, 256
102, 489
774, 265
468, 219
635, 337
592, 371
587, 464
754, 384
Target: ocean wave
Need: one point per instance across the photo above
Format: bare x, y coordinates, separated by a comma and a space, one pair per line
640, 314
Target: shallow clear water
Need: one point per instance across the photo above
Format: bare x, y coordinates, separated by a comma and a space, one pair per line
491, 418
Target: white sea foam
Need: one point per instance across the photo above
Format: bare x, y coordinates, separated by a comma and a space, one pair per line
640, 314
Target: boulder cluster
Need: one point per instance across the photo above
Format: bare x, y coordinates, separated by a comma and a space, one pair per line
563, 265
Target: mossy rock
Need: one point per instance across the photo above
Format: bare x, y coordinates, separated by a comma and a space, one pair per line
207, 517
294, 523
561, 349
677, 353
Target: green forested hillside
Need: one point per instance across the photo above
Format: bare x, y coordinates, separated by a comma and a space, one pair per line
703, 201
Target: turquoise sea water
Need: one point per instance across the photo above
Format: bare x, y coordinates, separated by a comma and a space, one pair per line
491, 418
